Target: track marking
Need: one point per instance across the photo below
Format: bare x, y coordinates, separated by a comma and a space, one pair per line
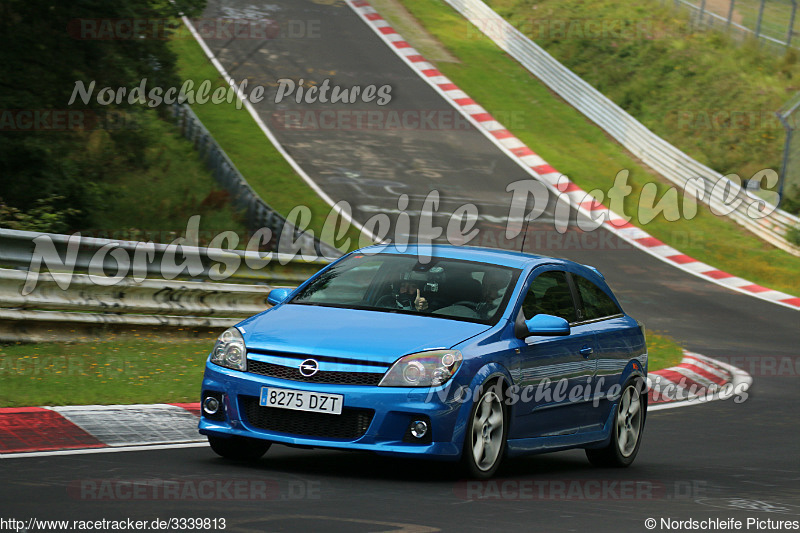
270, 136
540, 170
115, 449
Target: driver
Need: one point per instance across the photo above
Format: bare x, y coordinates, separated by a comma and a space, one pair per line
409, 298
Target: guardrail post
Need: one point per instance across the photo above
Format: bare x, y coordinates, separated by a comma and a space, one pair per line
730, 12
791, 23
760, 18
664, 158
785, 160
789, 161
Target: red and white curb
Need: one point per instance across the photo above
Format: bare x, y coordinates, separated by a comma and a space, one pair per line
71, 429
42, 431
697, 379
554, 180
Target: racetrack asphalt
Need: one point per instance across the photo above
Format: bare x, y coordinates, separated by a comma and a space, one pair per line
723, 460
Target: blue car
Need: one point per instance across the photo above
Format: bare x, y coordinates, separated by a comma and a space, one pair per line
443, 352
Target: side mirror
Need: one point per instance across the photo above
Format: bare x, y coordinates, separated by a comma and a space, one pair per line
547, 325
277, 296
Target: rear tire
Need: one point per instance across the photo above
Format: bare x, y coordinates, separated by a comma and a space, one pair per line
626, 433
486, 435
239, 448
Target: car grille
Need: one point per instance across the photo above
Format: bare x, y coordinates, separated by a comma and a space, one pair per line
292, 373
349, 425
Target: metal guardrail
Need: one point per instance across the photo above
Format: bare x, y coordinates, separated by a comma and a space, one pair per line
148, 297
654, 151
258, 213
67, 287
89, 310
73, 253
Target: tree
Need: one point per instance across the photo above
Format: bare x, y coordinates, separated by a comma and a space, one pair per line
42, 54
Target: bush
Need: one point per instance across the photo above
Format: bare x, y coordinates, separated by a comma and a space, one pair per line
43, 217
793, 235
40, 64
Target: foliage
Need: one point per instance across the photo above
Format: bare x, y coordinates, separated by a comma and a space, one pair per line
41, 59
572, 144
793, 235
791, 200
44, 216
711, 97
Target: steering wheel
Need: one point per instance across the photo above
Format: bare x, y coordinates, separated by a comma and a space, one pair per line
467, 303
387, 301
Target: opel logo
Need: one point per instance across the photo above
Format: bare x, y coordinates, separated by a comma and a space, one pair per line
309, 367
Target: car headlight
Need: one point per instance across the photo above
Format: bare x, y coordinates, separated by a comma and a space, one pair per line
424, 369
229, 350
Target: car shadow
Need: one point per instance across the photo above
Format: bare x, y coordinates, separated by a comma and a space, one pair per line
355, 465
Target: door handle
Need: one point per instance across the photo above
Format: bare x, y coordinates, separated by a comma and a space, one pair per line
586, 351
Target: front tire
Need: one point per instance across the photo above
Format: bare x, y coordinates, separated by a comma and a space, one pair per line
239, 448
626, 432
487, 431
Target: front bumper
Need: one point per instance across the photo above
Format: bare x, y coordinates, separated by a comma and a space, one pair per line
385, 412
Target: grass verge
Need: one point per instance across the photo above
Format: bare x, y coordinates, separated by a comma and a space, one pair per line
117, 371
156, 203
578, 148
663, 351
144, 370
704, 93
264, 168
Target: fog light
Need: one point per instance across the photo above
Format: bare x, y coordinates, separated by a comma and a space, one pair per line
210, 405
419, 428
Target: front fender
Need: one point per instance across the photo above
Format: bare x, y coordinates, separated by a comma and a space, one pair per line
466, 396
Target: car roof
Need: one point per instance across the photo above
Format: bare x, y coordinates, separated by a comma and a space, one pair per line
494, 256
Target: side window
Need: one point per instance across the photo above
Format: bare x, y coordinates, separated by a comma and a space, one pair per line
549, 293
596, 303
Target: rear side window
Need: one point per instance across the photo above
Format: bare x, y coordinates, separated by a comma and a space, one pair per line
596, 303
549, 293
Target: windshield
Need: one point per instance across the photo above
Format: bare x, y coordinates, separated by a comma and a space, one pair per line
445, 288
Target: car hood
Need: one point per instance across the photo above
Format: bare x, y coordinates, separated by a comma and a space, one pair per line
351, 333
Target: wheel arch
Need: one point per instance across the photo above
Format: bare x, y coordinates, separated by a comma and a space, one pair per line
489, 372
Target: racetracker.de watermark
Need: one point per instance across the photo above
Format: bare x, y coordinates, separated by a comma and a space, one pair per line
764, 365
580, 489
126, 29
587, 28
383, 119
728, 119
226, 489
61, 120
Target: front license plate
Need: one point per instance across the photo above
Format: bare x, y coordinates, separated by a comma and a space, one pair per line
300, 400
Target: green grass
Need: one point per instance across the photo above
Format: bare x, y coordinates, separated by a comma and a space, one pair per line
663, 351
576, 147
157, 203
145, 370
702, 92
260, 163
121, 371
138, 180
